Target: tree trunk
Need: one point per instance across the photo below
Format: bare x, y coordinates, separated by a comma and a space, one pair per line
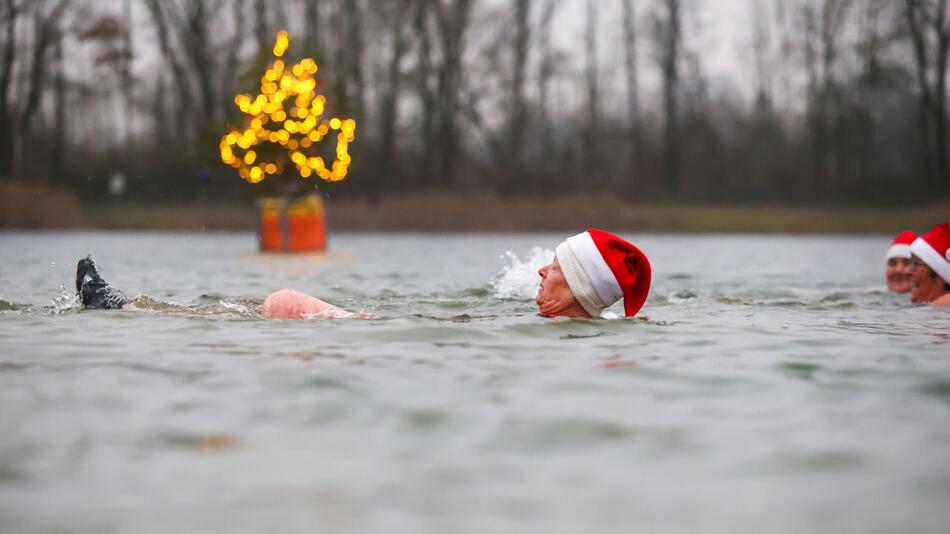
230, 75
453, 23
389, 99
182, 81
195, 35
354, 55
426, 94
262, 29
633, 98
914, 16
313, 42
159, 114
58, 145
671, 48
545, 73
941, 31
517, 121
44, 30
6, 75
128, 109
592, 124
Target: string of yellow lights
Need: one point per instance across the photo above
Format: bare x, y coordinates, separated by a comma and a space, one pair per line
295, 130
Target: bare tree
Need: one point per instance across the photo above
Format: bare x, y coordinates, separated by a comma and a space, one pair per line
488, 111
929, 31
516, 125
313, 40
762, 60
181, 80
160, 121
351, 56
785, 30
545, 73
45, 26
592, 122
424, 88
629, 27
58, 143
11, 15
185, 40
398, 18
196, 39
872, 39
128, 87
668, 41
453, 18
229, 74
263, 29
821, 23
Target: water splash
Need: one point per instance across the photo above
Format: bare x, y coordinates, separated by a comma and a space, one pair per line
66, 302
519, 280
237, 307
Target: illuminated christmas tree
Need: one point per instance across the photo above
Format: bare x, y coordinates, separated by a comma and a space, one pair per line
285, 123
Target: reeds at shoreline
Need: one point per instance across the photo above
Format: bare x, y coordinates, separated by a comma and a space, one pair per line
40, 208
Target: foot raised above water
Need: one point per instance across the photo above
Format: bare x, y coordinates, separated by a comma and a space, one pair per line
94, 292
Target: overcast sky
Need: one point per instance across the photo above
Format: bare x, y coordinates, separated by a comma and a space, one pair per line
719, 28
722, 24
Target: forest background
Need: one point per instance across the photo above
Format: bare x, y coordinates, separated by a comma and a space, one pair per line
488, 114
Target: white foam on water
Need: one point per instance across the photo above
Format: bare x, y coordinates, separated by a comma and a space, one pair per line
519, 279
330, 314
66, 302
235, 307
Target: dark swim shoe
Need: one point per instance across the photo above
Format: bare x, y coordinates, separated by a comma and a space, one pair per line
93, 291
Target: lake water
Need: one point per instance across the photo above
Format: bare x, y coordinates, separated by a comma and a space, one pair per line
769, 385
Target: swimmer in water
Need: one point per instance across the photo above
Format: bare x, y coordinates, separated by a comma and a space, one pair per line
96, 294
930, 281
898, 270
590, 272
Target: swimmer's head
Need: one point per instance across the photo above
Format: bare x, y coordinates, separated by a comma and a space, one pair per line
590, 272
930, 280
926, 285
898, 270
555, 298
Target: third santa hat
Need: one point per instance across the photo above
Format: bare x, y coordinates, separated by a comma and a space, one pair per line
900, 248
933, 248
602, 268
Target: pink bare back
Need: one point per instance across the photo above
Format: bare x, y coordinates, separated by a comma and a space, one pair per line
290, 304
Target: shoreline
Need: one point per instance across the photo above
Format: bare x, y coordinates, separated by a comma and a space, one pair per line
457, 213
481, 212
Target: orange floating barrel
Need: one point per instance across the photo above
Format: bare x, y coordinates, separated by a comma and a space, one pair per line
306, 227
297, 226
270, 224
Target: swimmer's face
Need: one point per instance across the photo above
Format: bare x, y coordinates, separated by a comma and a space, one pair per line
554, 294
925, 285
898, 273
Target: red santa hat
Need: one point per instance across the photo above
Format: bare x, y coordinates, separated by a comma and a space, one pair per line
933, 248
900, 248
602, 268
